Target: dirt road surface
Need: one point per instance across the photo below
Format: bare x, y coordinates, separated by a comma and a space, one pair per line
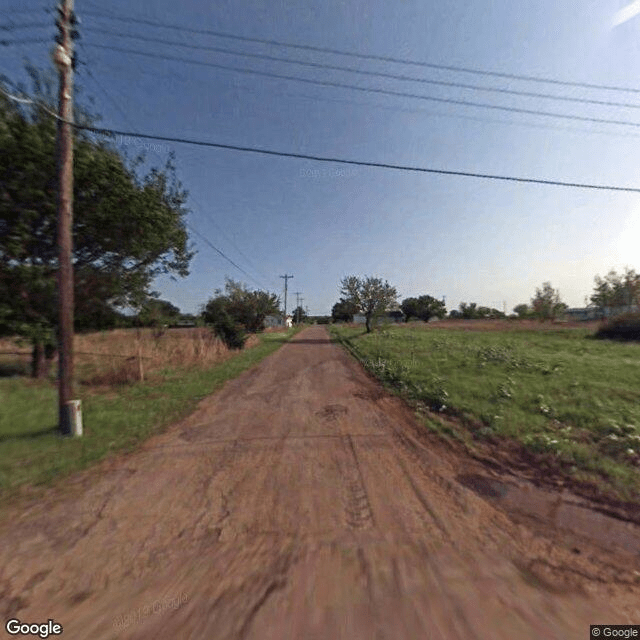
302, 502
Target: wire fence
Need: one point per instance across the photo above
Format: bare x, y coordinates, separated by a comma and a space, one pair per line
125, 356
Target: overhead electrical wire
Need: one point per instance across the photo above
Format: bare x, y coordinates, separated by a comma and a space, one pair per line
536, 125
29, 25
362, 163
380, 74
76, 126
16, 12
6, 43
125, 117
227, 258
341, 85
363, 56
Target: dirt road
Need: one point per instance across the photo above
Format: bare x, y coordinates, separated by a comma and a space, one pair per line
302, 502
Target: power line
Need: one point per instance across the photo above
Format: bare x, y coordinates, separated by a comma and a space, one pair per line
226, 257
124, 115
76, 126
363, 56
377, 105
16, 99
534, 125
362, 163
393, 76
6, 43
28, 25
340, 85
15, 11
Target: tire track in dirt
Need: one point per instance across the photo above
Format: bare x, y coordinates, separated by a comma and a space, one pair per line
358, 508
312, 508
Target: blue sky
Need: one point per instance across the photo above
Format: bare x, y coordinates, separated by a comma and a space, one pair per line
467, 239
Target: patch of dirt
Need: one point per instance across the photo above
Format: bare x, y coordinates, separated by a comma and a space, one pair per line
303, 501
332, 411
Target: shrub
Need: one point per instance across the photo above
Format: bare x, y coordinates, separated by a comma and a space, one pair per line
623, 327
229, 331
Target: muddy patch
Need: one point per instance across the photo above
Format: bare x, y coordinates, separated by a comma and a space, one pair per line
564, 512
331, 411
482, 485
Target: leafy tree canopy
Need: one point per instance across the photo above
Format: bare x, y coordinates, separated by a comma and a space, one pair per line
546, 304
246, 308
157, 312
471, 311
299, 315
343, 311
616, 290
523, 311
127, 228
370, 295
423, 308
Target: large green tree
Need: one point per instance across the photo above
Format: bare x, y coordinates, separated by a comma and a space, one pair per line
299, 315
370, 295
156, 312
523, 311
469, 311
128, 228
239, 310
423, 308
616, 290
343, 311
546, 304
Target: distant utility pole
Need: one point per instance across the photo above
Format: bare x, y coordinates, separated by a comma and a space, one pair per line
295, 319
299, 307
286, 278
70, 422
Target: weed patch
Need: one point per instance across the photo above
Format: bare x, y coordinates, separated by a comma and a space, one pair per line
115, 418
554, 391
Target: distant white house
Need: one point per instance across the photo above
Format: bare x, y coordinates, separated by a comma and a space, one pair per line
273, 321
595, 313
278, 321
583, 313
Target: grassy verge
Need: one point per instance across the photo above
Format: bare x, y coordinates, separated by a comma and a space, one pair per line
119, 418
570, 404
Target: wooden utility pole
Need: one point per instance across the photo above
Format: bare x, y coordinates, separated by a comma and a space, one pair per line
295, 317
286, 278
69, 420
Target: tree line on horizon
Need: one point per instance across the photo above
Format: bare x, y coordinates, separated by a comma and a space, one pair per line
130, 227
371, 296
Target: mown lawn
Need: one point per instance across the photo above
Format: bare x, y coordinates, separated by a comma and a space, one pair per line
561, 394
115, 419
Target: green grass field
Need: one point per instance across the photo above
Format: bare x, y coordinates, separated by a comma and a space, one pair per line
32, 452
572, 401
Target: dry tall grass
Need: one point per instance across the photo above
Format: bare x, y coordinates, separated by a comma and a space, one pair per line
124, 356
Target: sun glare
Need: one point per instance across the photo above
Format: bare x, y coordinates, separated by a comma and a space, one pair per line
627, 243
625, 14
